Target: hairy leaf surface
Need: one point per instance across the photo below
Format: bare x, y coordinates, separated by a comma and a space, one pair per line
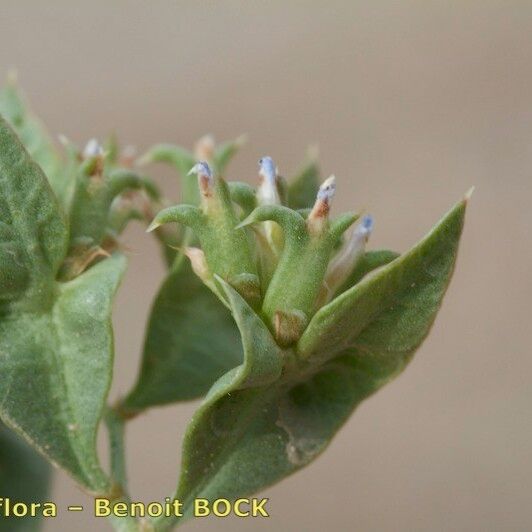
34, 136
371, 260
253, 429
191, 341
56, 345
55, 371
30, 219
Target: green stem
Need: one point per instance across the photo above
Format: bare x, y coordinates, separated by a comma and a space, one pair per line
116, 429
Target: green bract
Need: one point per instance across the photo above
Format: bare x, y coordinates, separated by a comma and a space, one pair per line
272, 311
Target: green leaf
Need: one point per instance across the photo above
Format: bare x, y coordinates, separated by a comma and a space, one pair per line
55, 371
33, 135
252, 430
303, 188
31, 220
182, 160
225, 152
232, 404
393, 308
14, 276
371, 260
191, 341
24, 477
56, 345
92, 200
243, 195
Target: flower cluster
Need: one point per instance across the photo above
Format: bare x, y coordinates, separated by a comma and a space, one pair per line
285, 262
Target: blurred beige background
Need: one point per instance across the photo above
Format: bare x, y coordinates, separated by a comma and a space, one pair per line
411, 104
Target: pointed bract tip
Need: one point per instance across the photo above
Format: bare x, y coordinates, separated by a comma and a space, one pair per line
243, 223
468, 194
154, 225
327, 189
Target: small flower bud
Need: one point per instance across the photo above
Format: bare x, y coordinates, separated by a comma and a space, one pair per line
228, 251
92, 149
267, 193
366, 227
346, 259
320, 212
205, 178
327, 190
93, 156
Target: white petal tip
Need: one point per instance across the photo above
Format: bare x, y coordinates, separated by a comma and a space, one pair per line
367, 223
468, 194
267, 168
327, 189
201, 169
93, 149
